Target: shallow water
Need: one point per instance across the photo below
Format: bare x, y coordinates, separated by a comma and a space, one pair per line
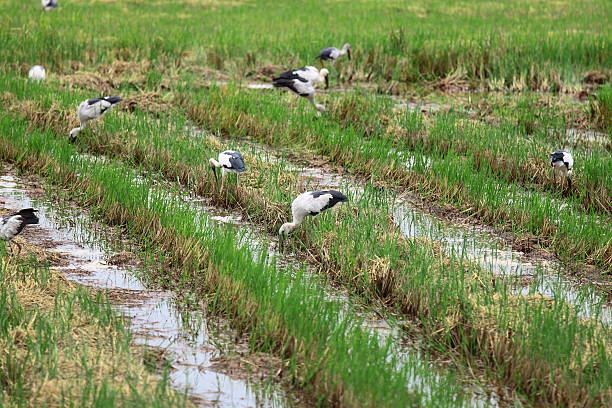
155, 319
491, 253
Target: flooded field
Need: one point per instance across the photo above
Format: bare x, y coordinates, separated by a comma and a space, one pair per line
441, 259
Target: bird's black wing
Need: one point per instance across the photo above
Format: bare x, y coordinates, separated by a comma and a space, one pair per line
336, 197
325, 54
94, 100
237, 161
556, 156
112, 99
290, 75
27, 217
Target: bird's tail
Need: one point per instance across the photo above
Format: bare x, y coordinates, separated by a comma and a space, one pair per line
28, 216
282, 83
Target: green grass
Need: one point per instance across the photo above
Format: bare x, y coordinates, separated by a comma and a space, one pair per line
363, 253
540, 45
61, 344
574, 234
284, 310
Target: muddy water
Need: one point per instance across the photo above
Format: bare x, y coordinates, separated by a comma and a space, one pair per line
491, 253
155, 319
476, 244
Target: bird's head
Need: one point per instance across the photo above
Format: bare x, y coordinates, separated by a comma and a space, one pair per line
285, 230
74, 133
347, 48
324, 73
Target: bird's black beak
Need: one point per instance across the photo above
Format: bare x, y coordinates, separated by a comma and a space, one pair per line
327, 81
348, 54
214, 170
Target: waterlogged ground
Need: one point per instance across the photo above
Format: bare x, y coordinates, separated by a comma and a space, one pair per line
460, 273
205, 357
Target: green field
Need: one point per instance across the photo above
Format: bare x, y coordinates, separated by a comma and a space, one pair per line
453, 105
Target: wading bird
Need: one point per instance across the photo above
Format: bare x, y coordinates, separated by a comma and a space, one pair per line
37, 73
310, 203
11, 225
230, 161
562, 163
332, 53
48, 5
93, 109
302, 81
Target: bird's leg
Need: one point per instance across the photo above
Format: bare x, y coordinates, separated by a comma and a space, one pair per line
10, 245
312, 101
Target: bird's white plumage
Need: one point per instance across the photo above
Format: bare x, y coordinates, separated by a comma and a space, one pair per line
302, 82
48, 4
305, 204
37, 73
333, 53
93, 109
89, 112
310, 203
9, 227
562, 161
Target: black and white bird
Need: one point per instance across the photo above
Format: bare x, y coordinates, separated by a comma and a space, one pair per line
332, 53
11, 225
48, 5
302, 82
93, 109
230, 161
37, 73
562, 163
310, 203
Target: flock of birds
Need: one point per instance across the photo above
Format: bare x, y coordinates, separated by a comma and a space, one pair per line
301, 81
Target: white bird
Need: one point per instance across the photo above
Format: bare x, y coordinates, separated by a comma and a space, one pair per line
332, 53
37, 73
310, 203
48, 5
562, 163
302, 81
11, 225
230, 161
93, 109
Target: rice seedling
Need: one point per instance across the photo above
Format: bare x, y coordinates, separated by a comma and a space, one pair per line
284, 310
60, 342
490, 164
447, 45
406, 285
575, 235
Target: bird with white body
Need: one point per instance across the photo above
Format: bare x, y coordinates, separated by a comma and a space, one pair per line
37, 73
11, 225
310, 203
229, 161
562, 163
49, 5
332, 53
93, 109
302, 82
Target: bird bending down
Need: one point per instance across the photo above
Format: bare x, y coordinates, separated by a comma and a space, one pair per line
11, 225
37, 73
310, 203
332, 53
93, 109
302, 82
562, 163
48, 5
230, 161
